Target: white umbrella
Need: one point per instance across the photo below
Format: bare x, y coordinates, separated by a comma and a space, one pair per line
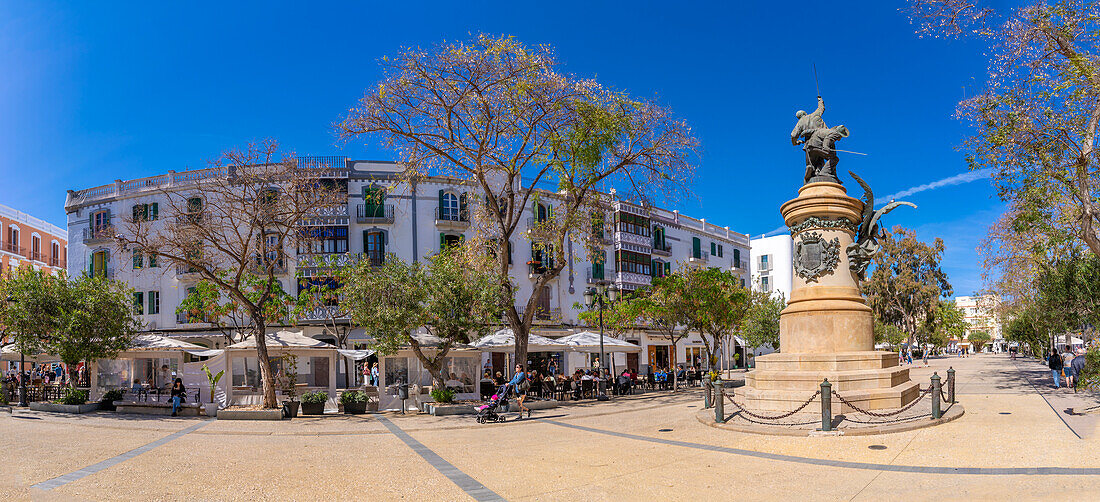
285, 339
505, 341
10, 353
587, 341
158, 342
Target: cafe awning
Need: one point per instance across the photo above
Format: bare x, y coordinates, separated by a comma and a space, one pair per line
505, 341
587, 341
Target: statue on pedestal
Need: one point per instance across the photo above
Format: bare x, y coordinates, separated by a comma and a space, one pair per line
865, 246
818, 141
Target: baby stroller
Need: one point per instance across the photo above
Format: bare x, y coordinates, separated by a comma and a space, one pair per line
491, 412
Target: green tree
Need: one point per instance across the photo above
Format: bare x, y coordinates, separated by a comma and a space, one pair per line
949, 323
452, 297
208, 303
889, 334
502, 117
761, 326
977, 339
714, 304
661, 308
31, 308
97, 321
907, 281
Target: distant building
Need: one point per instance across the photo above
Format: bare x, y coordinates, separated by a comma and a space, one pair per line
31, 242
772, 269
980, 313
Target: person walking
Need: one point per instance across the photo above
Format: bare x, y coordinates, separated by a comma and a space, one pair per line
374, 374
520, 384
178, 393
1054, 362
1077, 365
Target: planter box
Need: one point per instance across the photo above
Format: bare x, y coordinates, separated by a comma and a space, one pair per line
64, 408
231, 414
440, 410
313, 408
355, 408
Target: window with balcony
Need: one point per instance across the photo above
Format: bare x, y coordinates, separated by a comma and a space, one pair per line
765, 284
55, 254
598, 265
374, 246
736, 257
100, 221
696, 248
598, 224
659, 238
452, 206
632, 223
491, 246
12, 245
36, 248
636, 263
543, 212
138, 259
374, 202
542, 257
764, 262
320, 240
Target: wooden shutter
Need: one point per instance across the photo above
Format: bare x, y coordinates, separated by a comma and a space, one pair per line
713, 249
462, 214
154, 211
696, 244
668, 268
737, 257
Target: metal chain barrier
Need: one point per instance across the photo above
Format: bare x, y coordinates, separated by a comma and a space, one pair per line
777, 417
898, 411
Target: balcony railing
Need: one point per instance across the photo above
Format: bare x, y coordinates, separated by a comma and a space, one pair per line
702, 258
57, 263
96, 235
740, 265
323, 314
12, 247
184, 272
765, 266
376, 213
452, 218
36, 256
592, 278
660, 248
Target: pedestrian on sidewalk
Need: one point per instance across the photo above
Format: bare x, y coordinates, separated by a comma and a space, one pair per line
1054, 362
178, 391
1077, 365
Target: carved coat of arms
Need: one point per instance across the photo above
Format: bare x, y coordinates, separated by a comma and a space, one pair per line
814, 256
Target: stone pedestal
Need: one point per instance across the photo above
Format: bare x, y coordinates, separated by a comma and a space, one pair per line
827, 330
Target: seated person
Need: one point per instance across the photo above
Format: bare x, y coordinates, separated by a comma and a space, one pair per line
137, 389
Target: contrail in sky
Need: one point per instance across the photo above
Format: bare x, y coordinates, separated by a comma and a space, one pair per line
957, 179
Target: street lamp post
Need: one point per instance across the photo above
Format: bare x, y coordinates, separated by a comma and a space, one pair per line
601, 296
22, 381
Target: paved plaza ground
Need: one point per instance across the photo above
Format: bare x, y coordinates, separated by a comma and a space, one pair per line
1015, 441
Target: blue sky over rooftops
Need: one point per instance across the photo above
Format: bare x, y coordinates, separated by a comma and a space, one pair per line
93, 92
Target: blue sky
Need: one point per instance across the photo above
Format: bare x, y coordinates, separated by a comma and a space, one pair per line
91, 92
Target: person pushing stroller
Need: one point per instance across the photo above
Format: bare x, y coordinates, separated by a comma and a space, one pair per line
519, 384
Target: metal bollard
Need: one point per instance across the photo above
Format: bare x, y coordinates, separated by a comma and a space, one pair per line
951, 385
708, 389
826, 405
719, 403
936, 396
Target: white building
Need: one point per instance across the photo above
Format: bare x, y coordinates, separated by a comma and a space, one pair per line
413, 221
980, 313
772, 265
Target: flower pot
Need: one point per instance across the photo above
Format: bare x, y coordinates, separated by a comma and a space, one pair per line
211, 409
290, 409
355, 408
313, 408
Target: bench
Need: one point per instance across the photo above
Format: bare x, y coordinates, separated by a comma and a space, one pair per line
155, 408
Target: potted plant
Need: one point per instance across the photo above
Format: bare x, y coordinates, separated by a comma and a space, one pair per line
313, 403
211, 408
354, 401
289, 384
443, 395
107, 402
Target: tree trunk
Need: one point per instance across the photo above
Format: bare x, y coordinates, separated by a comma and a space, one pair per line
267, 379
672, 362
71, 370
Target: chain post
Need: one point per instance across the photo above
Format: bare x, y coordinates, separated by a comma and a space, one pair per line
936, 396
826, 405
719, 402
951, 385
708, 390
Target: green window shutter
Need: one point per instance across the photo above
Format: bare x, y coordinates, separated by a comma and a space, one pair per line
154, 211
442, 237
462, 206
719, 250
713, 249
668, 268
137, 212
139, 303
91, 265
151, 307
152, 261
439, 211
653, 268
365, 239
696, 246
737, 255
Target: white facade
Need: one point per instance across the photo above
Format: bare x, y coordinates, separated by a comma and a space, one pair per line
772, 264
979, 312
413, 222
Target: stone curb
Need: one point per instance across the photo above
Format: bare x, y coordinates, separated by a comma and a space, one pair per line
953, 413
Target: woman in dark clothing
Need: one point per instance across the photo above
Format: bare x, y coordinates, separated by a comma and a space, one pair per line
178, 393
